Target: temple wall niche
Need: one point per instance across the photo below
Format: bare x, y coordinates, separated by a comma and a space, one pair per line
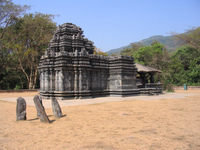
69, 69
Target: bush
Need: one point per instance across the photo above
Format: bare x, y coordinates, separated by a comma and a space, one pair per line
17, 87
169, 88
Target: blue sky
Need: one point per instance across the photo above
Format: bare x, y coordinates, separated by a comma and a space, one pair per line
115, 23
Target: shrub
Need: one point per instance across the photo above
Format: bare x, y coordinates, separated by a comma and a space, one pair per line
17, 87
169, 88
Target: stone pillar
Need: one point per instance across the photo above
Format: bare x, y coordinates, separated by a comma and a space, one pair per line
88, 79
71, 74
50, 80
41, 80
53, 80
80, 80
76, 83
40, 100
61, 77
102, 79
21, 109
75, 79
40, 110
57, 81
46, 81
56, 108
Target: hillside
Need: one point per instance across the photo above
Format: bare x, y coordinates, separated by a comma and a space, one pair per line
168, 41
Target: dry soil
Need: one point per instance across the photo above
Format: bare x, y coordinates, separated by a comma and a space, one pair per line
164, 124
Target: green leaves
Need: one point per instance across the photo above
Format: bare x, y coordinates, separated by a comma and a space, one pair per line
180, 67
185, 66
153, 56
23, 39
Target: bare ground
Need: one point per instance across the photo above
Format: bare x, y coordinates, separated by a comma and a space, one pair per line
158, 124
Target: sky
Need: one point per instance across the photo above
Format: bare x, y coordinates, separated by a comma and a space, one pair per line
112, 24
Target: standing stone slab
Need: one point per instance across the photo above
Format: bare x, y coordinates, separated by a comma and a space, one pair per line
56, 108
40, 100
21, 109
40, 110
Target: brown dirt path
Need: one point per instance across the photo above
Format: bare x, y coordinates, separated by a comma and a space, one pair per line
17, 94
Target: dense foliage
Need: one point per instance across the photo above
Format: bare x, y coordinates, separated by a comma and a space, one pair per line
24, 38
178, 68
185, 66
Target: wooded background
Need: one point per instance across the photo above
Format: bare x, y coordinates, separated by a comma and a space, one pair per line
24, 38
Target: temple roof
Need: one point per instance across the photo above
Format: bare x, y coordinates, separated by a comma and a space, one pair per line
67, 38
142, 68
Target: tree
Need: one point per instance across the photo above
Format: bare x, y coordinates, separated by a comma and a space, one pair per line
97, 51
130, 51
191, 37
9, 13
155, 55
185, 66
27, 49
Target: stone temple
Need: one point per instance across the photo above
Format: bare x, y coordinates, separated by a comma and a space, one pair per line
70, 70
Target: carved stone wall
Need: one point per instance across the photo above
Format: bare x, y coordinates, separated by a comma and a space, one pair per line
68, 69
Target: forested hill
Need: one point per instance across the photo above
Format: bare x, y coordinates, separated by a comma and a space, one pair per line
168, 41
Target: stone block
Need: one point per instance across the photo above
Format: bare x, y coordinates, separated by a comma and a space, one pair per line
56, 108
40, 110
21, 109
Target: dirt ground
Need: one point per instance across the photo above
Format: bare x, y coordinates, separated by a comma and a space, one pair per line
165, 124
